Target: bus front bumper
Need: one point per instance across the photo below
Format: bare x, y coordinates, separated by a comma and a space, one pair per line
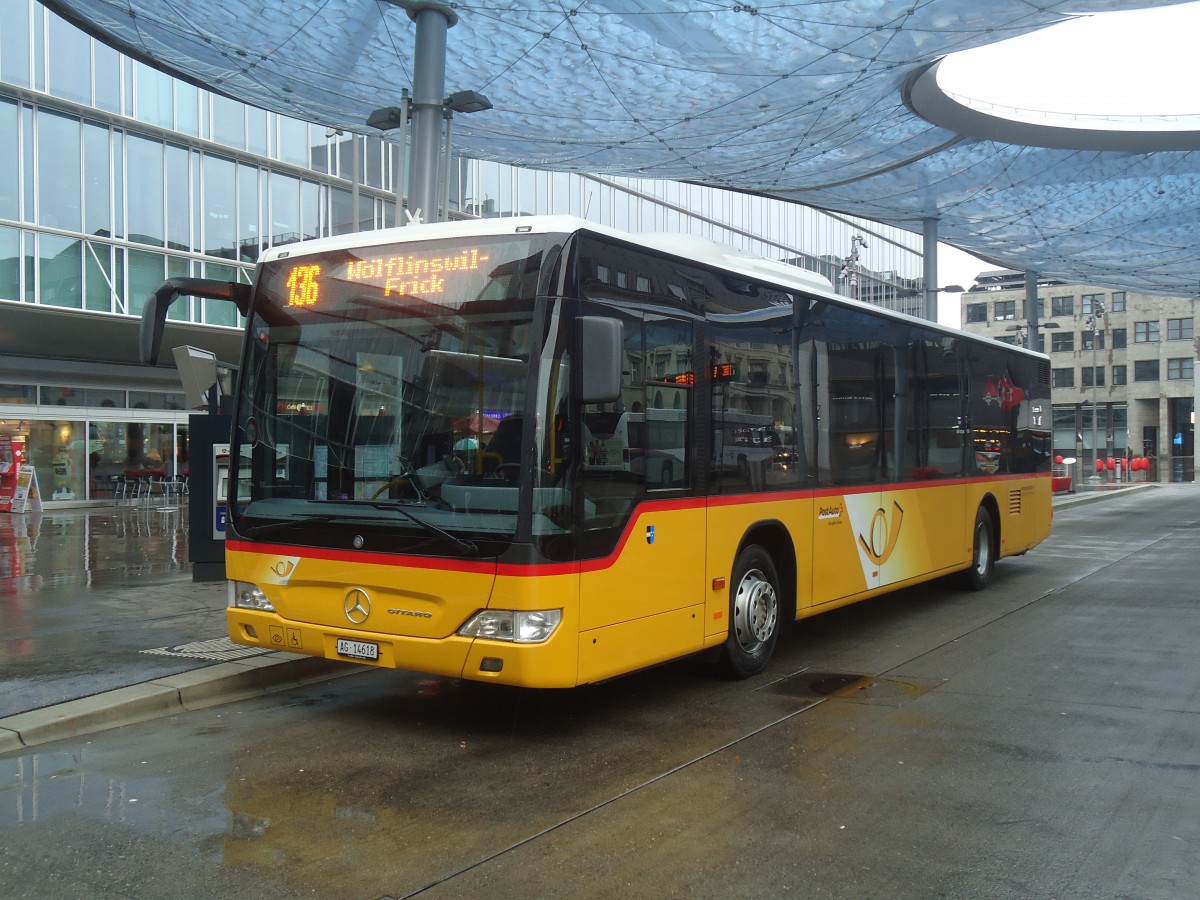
547, 665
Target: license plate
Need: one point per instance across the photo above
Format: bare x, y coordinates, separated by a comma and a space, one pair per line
357, 649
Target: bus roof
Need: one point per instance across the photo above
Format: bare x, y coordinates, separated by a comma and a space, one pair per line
699, 251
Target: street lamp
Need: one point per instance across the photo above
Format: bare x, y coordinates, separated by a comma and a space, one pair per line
428, 108
1024, 336
849, 272
931, 298
389, 118
1093, 325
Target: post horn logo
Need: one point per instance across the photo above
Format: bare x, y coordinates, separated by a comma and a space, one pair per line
357, 606
884, 535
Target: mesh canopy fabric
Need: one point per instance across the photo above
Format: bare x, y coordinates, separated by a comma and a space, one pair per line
799, 100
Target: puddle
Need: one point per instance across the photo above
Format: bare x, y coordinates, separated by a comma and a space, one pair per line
883, 690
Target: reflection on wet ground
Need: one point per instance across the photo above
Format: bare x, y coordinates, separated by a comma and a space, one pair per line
94, 547
84, 592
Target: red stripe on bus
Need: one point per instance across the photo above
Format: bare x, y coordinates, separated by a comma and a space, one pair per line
648, 507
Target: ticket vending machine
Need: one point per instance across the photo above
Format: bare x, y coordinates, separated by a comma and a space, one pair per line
208, 438
208, 435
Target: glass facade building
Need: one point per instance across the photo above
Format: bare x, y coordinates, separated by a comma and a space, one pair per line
115, 176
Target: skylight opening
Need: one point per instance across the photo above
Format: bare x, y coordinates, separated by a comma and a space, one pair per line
1130, 71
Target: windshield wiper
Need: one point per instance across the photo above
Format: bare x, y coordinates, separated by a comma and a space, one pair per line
469, 548
270, 527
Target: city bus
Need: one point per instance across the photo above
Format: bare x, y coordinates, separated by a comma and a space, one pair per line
436, 391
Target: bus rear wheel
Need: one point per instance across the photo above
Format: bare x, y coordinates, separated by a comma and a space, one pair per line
983, 557
753, 614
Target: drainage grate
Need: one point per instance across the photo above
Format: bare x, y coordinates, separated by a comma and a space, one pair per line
218, 649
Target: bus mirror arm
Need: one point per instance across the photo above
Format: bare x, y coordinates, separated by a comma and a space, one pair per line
154, 314
600, 354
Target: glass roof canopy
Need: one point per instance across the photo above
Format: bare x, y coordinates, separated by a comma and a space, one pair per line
806, 101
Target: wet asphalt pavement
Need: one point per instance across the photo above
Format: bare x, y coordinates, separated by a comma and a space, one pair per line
85, 593
93, 600
1039, 739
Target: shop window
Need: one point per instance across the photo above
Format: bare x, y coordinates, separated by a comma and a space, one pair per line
103, 398
18, 393
55, 395
155, 400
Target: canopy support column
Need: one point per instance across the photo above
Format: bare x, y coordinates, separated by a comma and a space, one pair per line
429, 90
929, 234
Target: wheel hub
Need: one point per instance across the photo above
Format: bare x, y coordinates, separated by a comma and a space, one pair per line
755, 610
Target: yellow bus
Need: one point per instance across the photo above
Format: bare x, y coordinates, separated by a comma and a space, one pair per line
412, 485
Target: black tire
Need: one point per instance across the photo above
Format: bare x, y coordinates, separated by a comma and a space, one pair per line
983, 553
754, 609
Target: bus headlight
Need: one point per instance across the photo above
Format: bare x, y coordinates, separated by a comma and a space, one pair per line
518, 626
245, 595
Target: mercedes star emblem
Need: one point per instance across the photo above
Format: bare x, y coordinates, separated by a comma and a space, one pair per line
357, 606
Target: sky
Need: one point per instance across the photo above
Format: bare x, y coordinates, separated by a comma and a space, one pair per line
955, 267
1134, 63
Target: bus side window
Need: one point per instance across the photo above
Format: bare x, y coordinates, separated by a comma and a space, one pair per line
667, 402
665, 432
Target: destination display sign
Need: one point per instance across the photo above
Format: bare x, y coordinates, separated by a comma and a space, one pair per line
425, 275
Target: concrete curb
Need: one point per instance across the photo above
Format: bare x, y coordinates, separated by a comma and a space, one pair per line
197, 689
1098, 494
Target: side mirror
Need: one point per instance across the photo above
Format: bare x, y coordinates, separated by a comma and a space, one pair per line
154, 313
600, 356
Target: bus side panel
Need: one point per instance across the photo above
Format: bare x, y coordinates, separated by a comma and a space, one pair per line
552, 664
658, 567
919, 531
626, 646
838, 568
870, 539
729, 519
1025, 512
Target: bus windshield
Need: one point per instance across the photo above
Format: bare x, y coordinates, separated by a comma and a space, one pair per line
382, 390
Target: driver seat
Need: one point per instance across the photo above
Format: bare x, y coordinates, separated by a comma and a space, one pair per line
505, 443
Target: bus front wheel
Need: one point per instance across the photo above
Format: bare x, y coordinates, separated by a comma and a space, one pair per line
983, 557
753, 614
